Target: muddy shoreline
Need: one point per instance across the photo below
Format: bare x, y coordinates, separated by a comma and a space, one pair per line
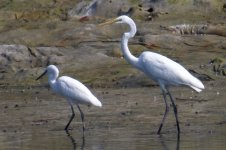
129, 114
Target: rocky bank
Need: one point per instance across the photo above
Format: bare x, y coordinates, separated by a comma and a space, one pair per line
34, 34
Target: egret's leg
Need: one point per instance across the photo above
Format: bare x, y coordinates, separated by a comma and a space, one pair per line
82, 117
175, 111
165, 114
72, 117
72, 139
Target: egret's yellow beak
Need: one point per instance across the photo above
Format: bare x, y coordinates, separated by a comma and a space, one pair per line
110, 21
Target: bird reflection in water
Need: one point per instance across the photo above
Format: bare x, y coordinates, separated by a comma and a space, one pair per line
74, 143
163, 142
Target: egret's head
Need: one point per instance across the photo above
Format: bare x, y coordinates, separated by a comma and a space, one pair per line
52, 72
120, 19
123, 19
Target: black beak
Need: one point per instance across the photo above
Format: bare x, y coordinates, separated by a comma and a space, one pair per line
42, 75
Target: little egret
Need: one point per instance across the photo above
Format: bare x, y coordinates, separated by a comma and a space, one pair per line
159, 68
73, 90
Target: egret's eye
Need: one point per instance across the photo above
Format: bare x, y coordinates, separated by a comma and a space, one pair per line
119, 21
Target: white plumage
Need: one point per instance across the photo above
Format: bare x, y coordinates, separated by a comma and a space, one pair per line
73, 90
159, 68
167, 72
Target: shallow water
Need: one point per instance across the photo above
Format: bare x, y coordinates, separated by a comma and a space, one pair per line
34, 118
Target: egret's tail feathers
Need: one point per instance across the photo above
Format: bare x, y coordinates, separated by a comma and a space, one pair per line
196, 89
96, 102
197, 85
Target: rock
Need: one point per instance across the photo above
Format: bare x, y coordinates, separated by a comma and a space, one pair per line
197, 29
17, 61
84, 9
52, 32
20, 56
100, 8
14, 55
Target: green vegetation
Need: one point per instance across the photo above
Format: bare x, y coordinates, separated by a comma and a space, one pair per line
183, 2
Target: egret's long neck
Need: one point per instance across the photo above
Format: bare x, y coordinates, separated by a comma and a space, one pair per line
124, 45
52, 78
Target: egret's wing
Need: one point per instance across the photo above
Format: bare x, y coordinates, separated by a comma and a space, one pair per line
74, 90
161, 68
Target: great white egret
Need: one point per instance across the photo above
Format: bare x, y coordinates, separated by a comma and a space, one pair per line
73, 90
159, 68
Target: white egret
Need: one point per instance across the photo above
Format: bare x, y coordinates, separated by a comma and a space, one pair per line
73, 90
159, 68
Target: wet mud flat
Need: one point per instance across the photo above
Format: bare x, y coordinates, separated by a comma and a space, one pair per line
34, 118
